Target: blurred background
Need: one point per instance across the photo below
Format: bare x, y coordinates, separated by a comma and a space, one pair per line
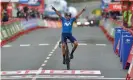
42, 9
30, 32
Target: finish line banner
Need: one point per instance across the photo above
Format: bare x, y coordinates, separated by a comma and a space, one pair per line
21, 1
9, 0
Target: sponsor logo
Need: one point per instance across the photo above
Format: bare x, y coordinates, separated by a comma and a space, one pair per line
118, 30
128, 40
67, 23
117, 7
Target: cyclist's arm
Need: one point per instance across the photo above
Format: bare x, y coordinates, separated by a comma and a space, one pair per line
57, 12
79, 13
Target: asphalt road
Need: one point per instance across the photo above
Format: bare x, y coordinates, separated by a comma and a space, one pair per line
95, 52
39, 50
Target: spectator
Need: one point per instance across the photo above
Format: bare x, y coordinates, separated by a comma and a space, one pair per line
5, 17
21, 15
129, 19
33, 14
18, 13
38, 14
25, 9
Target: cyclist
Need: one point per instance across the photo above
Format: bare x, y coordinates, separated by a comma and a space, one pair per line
67, 23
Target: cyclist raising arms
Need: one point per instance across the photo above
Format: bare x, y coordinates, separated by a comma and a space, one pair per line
67, 23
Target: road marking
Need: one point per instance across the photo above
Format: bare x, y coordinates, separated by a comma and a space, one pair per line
46, 44
51, 72
54, 49
43, 44
82, 44
45, 61
43, 64
54, 77
52, 52
7, 46
48, 58
50, 55
100, 44
24, 45
40, 69
61, 77
56, 46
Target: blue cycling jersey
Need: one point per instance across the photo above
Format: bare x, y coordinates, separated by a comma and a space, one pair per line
67, 25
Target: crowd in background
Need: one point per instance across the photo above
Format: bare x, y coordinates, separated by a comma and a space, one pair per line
27, 13
126, 18
22, 13
112, 14
5, 16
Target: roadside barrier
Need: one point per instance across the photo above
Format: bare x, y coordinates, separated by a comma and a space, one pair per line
13, 29
50, 24
124, 34
130, 55
59, 24
126, 47
108, 29
122, 40
116, 39
8, 29
130, 72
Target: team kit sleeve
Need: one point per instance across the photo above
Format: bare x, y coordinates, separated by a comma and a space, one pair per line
73, 19
62, 19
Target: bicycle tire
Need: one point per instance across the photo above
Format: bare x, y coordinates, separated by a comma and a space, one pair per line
68, 66
67, 58
67, 61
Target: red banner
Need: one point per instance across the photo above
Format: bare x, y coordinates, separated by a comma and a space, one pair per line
115, 7
125, 6
9, 9
131, 8
40, 8
126, 0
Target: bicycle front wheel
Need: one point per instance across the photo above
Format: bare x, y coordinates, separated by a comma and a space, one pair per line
67, 58
68, 66
68, 61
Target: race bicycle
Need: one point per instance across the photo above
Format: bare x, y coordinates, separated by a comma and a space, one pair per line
67, 54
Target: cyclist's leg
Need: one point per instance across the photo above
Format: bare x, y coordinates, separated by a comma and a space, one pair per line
74, 41
63, 40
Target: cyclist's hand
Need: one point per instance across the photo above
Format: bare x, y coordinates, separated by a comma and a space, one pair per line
53, 8
84, 8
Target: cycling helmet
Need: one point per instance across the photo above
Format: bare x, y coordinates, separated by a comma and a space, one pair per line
68, 14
